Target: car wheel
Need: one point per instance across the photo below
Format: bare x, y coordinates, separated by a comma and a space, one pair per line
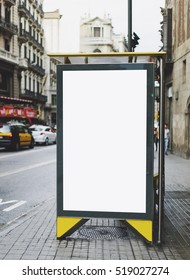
46, 143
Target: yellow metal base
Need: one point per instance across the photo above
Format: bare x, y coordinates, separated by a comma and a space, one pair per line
143, 227
67, 225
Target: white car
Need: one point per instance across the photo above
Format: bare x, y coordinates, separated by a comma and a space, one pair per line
43, 134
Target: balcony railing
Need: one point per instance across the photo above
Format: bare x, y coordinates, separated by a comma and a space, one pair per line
23, 36
10, 2
38, 45
8, 56
8, 27
37, 6
23, 63
33, 41
22, 9
98, 40
36, 68
35, 96
41, 9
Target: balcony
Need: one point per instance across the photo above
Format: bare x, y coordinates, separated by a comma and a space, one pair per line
34, 42
35, 3
8, 27
23, 36
53, 74
9, 57
38, 6
37, 25
23, 63
31, 18
96, 40
36, 68
35, 96
38, 45
41, 10
10, 2
23, 11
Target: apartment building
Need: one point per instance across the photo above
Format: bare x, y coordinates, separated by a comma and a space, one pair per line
10, 65
22, 70
51, 24
31, 49
96, 35
176, 39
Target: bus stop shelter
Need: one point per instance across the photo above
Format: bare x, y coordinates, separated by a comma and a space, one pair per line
105, 113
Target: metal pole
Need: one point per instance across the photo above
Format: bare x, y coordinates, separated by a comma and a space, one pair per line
129, 25
161, 163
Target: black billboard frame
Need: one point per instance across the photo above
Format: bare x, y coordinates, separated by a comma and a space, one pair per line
149, 67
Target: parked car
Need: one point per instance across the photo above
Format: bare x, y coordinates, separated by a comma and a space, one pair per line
15, 135
43, 134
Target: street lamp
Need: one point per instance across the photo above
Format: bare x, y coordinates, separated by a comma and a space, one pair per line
129, 25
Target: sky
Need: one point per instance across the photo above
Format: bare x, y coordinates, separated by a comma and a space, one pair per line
146, 18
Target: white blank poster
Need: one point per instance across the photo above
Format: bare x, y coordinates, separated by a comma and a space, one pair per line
104, 140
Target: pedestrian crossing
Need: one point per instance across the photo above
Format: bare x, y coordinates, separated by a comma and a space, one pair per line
14, 204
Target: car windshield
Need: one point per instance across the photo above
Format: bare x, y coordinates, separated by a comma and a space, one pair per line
4, 128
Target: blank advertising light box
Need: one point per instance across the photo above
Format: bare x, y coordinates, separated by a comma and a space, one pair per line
104, 145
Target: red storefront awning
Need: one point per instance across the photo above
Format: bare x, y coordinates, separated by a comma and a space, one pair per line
14, 100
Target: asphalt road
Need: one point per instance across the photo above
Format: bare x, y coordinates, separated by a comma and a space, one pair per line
27, 179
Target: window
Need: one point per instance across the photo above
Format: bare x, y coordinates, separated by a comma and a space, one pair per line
21, 129
38, 87
34, 58
34, 88
184, 71
25, 82
3, 81
4, 128
25, 52
97, 50
29, 83
96, 31
30, 30
7, 14
7, 45
53, 99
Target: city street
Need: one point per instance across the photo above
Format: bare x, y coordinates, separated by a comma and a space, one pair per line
28, 215
87, 91
27, 180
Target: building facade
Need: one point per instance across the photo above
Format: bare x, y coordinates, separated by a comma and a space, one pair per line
51, 30
96, 35
10, 65
176, 39
31, 49
22, 69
